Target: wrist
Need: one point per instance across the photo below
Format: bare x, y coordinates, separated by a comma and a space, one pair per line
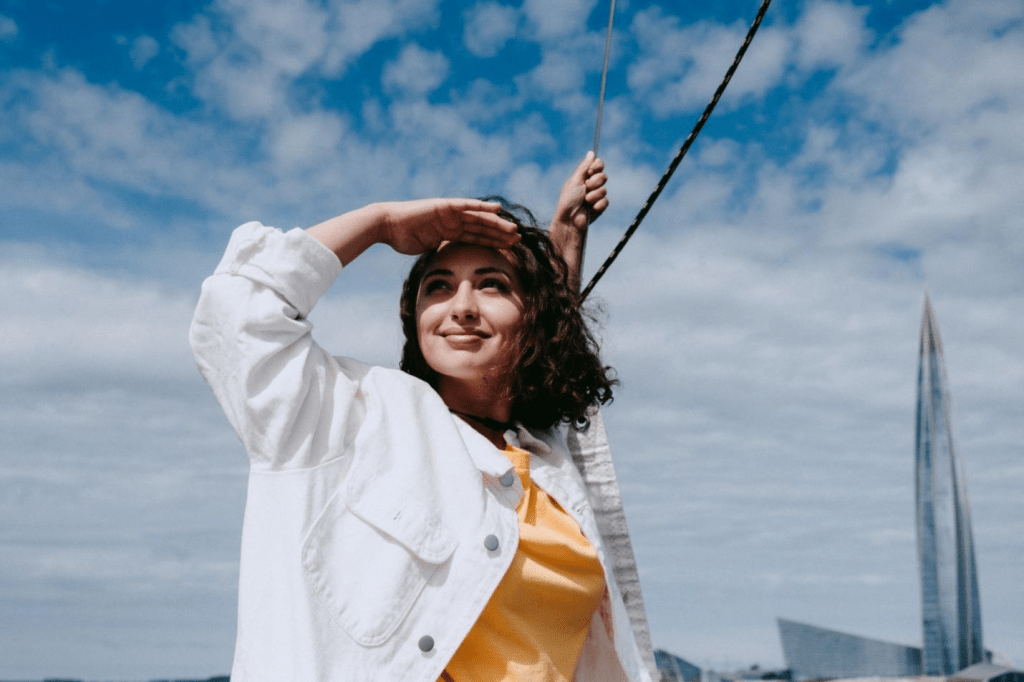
566, 231
349, 234
376, 220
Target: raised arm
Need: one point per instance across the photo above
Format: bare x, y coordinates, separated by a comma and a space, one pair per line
412, 227
251, 334
582, 200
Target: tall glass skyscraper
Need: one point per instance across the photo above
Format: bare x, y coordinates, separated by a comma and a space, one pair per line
951, 608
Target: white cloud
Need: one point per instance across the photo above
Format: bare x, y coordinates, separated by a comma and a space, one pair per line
958, 61
763, 67
553, 20
247, 57
559, 72
246, 71
105, 135
455, 158
362, 23
830, 34
8, 29
485, 102
559, 81
679, 67
119, 490
65, 318
489, 26
143, 49
307, 140
416, 71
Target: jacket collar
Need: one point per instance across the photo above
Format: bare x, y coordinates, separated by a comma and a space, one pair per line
487, 458
522, 438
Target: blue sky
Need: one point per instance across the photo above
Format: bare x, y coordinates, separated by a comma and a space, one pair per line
764, 321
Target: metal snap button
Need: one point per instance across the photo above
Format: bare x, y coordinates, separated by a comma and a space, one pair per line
426, 643
491, 543
507, 479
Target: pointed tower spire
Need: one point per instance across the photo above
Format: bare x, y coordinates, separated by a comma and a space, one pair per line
951, 609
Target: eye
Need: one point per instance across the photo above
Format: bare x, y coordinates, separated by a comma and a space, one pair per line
495, 283
435, 285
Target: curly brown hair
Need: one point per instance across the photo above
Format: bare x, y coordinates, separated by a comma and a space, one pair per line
558, 374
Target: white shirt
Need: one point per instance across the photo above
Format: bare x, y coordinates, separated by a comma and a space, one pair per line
363, 552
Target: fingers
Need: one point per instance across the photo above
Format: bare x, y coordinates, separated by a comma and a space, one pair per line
475, 205
484, 228
595, 181
596, 192
480, 237
583, 168
490, 223
594, 184
490, 241
412, 227
595, 195
597, 201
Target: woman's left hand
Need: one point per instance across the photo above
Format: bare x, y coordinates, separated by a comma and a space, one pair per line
582, 200
584, 196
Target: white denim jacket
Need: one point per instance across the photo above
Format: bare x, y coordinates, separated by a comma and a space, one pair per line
363, 552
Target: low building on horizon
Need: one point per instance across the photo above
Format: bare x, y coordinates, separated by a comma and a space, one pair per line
817, 653
675, 669
987, 672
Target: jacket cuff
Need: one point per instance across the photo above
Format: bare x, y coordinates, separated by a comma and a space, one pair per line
292, 263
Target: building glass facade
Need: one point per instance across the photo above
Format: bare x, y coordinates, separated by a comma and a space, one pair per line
675, 669
816, 653
951, 609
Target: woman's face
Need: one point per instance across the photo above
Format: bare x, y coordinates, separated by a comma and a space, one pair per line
468, 311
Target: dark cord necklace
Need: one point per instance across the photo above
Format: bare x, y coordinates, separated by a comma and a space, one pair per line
492, 424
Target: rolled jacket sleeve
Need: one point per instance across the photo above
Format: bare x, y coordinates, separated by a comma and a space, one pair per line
253, 344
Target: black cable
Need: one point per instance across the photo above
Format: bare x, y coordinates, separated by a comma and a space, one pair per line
679, 156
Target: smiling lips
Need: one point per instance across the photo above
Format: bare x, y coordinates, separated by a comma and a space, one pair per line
464, 335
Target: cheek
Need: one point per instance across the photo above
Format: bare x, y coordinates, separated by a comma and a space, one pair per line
420, 330
426, 319
509, 317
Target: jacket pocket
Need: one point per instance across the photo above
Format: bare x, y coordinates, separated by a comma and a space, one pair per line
368, 559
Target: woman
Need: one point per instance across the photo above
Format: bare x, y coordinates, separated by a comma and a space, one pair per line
426, 524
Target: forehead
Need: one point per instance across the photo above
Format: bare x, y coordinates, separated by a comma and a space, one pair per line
460, 258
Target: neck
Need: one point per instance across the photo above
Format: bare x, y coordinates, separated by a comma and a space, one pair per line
487, 422
481, 408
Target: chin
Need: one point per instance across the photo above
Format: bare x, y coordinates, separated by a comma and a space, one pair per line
458, 369
465, 374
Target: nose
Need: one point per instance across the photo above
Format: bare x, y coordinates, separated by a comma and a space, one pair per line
463, 303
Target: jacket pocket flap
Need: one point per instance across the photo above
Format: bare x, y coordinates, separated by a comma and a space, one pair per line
366, 578
417, 526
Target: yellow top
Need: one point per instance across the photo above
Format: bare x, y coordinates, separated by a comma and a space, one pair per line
535, 623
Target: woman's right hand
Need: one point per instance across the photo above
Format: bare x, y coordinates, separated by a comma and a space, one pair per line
412, 227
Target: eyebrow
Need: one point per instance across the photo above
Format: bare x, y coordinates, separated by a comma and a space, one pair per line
479, 271
490, 269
